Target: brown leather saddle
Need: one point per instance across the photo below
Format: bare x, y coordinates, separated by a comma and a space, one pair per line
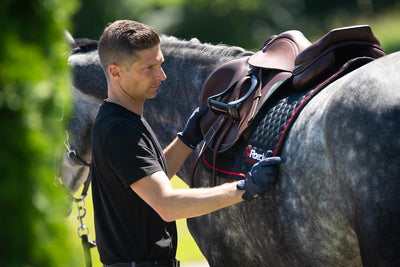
236, 90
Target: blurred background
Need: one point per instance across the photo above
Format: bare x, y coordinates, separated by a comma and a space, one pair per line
36, 228
246, 23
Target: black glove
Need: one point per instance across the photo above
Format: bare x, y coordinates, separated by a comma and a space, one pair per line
191, 134
261, 178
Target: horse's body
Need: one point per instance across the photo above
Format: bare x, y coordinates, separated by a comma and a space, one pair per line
337, 198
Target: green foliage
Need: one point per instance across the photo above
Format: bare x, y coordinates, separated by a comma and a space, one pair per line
246, 23
33, 98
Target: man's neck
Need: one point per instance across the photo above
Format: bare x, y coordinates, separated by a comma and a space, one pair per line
127, 103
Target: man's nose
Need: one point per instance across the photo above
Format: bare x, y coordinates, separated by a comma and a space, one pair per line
161, 75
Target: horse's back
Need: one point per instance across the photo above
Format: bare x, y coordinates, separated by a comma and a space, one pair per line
337, 194
343, 157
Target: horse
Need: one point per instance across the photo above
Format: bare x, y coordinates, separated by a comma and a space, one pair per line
336, 200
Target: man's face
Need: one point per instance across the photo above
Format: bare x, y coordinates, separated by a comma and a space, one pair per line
145, 75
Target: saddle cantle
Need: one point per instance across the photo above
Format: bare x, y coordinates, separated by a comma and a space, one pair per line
239, 93
332, 50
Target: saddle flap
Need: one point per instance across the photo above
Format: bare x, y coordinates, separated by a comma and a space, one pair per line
223, 77
280, 52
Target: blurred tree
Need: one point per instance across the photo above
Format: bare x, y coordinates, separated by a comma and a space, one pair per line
246, 23
33, 94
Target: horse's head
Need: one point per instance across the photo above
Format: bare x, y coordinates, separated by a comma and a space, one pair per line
89, 87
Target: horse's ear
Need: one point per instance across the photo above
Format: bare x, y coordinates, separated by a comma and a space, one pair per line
69, 38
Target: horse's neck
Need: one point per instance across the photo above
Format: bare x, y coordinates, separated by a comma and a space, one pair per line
187, 65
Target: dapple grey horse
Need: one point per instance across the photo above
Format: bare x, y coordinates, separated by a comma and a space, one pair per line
337, 198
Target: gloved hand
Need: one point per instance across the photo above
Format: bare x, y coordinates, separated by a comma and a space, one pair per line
261, 178
191, 134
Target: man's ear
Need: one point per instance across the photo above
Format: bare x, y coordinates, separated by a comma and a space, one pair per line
114, 71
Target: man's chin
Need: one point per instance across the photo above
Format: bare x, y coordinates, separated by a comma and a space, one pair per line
154, 95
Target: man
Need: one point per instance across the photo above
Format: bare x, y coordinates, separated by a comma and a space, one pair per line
135, 207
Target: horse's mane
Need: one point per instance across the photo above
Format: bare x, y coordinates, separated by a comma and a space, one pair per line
84, 45
170, 43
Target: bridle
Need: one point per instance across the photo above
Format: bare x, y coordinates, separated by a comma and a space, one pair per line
72, 153
83, 230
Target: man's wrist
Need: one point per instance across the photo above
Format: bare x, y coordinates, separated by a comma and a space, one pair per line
185, 141
247, 195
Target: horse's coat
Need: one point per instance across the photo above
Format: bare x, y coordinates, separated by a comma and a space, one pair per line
337, 199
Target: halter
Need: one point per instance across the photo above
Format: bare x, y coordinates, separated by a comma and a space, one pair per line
72, 153
83, 230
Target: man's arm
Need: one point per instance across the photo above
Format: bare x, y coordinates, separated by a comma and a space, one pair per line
179, 149
172, 204
176, 153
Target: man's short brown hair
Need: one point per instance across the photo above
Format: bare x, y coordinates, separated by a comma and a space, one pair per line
121, 41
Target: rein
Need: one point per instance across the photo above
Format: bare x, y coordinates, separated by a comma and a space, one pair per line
83, 230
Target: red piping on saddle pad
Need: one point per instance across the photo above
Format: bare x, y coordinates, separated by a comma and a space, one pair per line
222, 171
301, 104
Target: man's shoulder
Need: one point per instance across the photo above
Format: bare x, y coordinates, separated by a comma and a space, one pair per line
112, 123
111, 115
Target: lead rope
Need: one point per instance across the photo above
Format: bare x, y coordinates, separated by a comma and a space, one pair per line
83, 230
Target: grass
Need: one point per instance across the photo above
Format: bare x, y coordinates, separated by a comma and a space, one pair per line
187, 249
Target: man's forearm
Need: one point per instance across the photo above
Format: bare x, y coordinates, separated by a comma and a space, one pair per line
187, 203
176, 153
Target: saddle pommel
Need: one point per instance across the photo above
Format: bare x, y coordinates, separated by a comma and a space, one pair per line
280, 52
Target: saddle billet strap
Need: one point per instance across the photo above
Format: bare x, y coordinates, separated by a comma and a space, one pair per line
208, 138
225, 130
256, 98
214, 129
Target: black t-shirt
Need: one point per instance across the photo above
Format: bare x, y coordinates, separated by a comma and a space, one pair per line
124, 150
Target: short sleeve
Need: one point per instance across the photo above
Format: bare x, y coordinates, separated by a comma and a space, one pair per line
130, 153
